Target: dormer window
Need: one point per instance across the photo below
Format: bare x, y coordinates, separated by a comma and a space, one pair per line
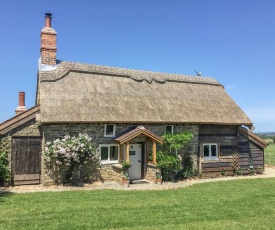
109, 130
169, 129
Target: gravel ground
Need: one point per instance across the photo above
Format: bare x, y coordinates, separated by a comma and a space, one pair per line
137, 185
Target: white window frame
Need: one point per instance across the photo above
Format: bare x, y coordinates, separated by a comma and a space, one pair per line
109, 161
114, 131
172, 128
210, 157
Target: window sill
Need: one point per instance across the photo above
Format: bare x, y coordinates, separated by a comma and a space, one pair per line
211, 159
109, 162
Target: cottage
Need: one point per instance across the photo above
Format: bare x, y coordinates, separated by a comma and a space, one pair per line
126, 112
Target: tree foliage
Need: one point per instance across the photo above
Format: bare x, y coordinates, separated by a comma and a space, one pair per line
4, 168
173, 143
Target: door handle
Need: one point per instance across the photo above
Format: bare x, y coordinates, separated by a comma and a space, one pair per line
139, 161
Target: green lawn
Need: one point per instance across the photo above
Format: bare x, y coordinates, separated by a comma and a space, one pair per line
238, 204
270, 154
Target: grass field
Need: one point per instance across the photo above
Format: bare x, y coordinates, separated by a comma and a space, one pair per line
238, 204
270, 154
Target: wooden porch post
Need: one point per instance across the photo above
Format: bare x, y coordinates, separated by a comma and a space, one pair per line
121, 153
147, 150
127, 152
154, 152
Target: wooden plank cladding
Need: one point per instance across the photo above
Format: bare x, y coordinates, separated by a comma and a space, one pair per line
234, 150
26, 179
26, 182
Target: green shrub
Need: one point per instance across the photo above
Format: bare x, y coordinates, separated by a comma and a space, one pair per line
169, 165
5, 174
223, 172
176, 143
174, 159
238, 171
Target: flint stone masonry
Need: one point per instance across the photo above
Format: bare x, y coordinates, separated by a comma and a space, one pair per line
109, 172
151, 172
96, 131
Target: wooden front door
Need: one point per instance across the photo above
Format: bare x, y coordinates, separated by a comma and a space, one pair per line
135, 159
26, 160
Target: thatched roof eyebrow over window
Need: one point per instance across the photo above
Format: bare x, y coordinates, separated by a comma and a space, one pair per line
77, 92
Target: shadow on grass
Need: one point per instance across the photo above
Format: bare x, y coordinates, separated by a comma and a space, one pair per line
4, 193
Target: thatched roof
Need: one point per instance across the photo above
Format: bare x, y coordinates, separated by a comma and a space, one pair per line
91, 93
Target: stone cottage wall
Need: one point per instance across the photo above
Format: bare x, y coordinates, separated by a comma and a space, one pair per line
96, 131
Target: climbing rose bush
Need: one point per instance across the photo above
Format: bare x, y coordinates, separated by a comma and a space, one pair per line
71, 152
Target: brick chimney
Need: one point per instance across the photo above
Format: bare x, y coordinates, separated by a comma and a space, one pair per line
48, 42
21, 106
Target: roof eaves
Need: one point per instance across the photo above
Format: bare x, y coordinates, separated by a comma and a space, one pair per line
19, 119
136, 132
252, 137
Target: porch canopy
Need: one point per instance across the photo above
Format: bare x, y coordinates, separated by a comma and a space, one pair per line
138, 131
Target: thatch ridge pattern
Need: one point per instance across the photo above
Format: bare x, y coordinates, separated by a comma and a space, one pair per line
64, 68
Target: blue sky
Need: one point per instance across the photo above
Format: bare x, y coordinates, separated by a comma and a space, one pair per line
232, 41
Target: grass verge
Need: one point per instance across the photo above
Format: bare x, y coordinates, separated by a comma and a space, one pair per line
238, 204
270, 154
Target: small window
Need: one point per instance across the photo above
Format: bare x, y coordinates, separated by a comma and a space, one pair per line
109, 153
210, 151
169, 129
109, 130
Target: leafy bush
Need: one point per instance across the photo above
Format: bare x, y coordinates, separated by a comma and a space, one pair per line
169, 165
251, 170
126, 165
173, 143
68, 154
260, 169
238, 171
174, 159
223, 172
5, 174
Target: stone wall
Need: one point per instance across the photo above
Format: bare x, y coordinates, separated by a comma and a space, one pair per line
151, 172
96, 131
111, 172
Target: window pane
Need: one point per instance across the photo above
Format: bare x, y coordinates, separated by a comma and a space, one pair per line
104, 153
109, 130
206, 150
113, 153
213, 151
169, 129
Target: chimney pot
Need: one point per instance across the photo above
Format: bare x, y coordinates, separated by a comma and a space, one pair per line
21, 99
48, 20
21, 105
